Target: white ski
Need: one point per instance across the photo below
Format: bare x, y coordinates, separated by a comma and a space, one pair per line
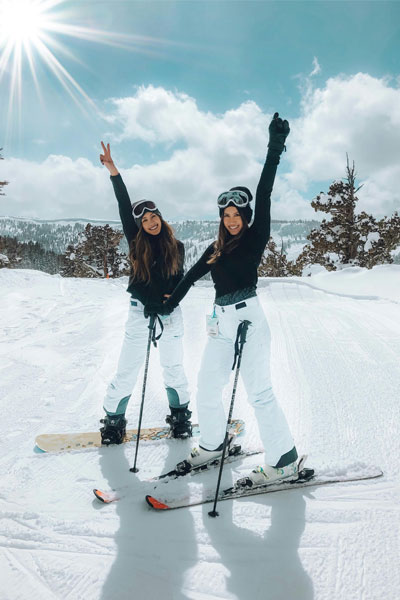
306, 478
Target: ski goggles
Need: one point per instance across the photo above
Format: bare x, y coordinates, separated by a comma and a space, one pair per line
140, 208
237, 197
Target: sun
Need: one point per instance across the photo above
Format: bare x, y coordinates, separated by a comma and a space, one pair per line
22, 21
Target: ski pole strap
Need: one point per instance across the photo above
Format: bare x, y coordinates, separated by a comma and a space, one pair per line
153, 326
240, 340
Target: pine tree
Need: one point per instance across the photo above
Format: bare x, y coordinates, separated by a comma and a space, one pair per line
2, 183
30, 255
96, 254
11, 248
274, 262
349, 238
73, 264
4, 262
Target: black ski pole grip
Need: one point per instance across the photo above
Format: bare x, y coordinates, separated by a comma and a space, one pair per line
243, 331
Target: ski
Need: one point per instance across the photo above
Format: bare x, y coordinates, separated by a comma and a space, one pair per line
306, 478
66, 442
236, 453
185, 468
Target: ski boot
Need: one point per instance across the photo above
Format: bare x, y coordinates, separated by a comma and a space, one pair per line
114, 429
179, 422
200, 456
267, 475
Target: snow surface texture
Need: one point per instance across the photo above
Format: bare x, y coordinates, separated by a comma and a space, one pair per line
336, 372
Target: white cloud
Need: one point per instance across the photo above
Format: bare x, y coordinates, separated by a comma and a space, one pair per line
56, 188
316, 67
210, 152
359, 115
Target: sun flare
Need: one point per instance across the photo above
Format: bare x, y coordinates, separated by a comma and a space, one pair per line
37, 31
21, 21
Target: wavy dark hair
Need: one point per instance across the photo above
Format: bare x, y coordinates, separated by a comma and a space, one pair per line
142, 257
226, 243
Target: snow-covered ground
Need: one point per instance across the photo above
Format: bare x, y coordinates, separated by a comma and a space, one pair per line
336, 372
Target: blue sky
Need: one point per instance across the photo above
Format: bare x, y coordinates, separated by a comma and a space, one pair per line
203, 69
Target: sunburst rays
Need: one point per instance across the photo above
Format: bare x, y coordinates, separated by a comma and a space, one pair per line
37, 32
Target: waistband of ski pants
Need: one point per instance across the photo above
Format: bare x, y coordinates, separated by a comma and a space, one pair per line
235, 308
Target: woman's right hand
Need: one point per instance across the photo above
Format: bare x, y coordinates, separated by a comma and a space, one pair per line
107, 161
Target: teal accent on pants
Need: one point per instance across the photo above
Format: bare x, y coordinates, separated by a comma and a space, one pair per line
121, 408
173, 398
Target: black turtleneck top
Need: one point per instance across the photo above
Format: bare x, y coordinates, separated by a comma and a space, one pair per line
237, 272
159, 284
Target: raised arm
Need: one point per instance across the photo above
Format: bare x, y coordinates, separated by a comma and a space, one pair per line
261, 228
121, 193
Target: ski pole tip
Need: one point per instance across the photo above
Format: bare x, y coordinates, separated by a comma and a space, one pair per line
134, 470
213, 513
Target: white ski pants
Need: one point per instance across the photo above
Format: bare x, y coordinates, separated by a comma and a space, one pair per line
214, 374
133, 355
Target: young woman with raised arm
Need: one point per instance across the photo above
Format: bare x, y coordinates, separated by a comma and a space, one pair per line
156, 258
233, 260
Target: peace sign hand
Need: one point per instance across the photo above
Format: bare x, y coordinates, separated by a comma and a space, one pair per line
106, 159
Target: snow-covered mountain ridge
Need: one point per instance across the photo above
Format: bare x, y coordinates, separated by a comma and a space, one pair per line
57, 234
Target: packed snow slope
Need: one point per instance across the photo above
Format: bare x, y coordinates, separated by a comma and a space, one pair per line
336, 373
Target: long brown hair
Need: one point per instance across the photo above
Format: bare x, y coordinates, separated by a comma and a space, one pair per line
226, 243
142, 256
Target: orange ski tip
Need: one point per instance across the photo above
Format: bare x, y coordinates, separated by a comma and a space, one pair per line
101, 496
156, 503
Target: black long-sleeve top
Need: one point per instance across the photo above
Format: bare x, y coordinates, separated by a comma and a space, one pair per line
237, 270
159, 284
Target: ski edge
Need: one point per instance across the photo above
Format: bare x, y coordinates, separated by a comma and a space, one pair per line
312, 482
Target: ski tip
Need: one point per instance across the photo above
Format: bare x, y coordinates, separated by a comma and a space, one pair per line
38, 450
156, 503
101, 496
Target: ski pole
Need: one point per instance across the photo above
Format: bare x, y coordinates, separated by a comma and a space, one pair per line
152, 325
239, 343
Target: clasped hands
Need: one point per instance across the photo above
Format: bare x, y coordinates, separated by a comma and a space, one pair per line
157, 308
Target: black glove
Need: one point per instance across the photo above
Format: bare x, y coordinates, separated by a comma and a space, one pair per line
156, 308
278, 132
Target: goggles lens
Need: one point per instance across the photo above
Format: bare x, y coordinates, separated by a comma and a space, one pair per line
140, 208
237, 197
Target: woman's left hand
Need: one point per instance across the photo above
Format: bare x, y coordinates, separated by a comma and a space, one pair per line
278, 131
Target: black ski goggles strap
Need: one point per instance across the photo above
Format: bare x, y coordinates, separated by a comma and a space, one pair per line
240, 340
153, 326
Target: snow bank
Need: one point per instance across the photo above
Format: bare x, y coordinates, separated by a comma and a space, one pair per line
382, 281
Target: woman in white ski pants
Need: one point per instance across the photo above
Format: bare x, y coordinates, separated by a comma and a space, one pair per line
157, 260
132, 358
215, 370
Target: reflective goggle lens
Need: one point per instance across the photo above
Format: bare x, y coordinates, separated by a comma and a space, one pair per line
238, 198
139, 210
